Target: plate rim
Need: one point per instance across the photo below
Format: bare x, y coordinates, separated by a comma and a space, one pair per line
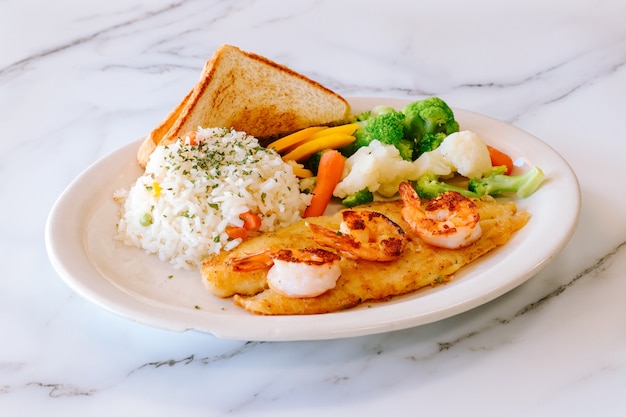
100, 291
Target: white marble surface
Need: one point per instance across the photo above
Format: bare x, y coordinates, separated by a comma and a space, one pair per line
80, 79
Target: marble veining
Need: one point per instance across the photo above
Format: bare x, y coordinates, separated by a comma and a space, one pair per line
79, 80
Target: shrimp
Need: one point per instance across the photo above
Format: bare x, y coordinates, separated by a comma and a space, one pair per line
363, 234
449, 221
294, 273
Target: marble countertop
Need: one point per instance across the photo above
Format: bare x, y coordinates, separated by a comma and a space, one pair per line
79, 80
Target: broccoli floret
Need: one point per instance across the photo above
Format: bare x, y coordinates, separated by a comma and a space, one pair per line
496, 182
430, 186
406, 148
360, 197
429, 120
363, 116
384, 124
431, 115
429, 142
387, 128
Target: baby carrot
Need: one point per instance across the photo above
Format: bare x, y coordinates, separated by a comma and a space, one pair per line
328, 176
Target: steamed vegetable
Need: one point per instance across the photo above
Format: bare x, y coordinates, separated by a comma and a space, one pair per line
430, 116
467, 153
419, 127
382, 147
430, 186
328, 176
363, 196
301, 145
378, 167
499, 158
497, 182
385, 125
429, 142
305, 150
289, 141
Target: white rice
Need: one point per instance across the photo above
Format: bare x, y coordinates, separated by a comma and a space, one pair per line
203, 189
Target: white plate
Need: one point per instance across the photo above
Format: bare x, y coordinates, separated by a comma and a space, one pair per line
128, 282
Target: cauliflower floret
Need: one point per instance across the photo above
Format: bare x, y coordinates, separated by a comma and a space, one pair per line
433, 162
467, 153
378, 167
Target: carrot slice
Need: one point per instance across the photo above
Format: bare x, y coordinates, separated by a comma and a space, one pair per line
235, 232
328, 176
251, 221
499, 158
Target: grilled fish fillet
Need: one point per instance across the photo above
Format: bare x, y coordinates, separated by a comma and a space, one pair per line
419, 266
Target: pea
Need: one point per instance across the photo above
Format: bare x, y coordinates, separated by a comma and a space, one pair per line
145, 219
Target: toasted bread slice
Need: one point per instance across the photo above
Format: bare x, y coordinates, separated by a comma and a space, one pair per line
249, 93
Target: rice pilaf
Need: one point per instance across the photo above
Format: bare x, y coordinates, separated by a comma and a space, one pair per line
192, 189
